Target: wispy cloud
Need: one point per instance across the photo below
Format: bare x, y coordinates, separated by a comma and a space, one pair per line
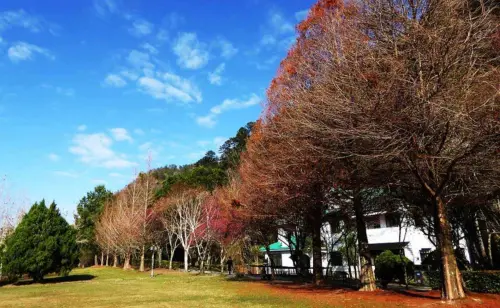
116, 175
138, 131
81, 128
141, 27
54, 157
150, 48
120, 134
226, 47
170, 87
95, 150
22, 51
191, 53
22, 19
105, 7
215, 77
114, 80
301, 15
209, 120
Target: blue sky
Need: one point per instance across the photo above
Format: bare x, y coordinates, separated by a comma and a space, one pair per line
88, 88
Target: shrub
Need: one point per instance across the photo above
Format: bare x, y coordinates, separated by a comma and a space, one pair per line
175, 264
389, 266
475, 281
482, 282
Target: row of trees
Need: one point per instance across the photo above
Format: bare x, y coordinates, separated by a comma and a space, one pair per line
381, 103
166, 208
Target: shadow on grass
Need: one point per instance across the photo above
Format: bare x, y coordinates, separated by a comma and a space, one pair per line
416, 293
51, 280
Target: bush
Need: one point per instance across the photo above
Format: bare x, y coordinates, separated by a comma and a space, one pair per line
389, 266
481, 282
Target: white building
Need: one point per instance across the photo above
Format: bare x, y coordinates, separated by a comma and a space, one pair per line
384, 231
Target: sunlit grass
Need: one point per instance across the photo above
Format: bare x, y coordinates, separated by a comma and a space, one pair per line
107, 287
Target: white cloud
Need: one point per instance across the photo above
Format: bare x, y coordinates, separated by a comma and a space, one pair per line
301, 15
138, 131
227, 104
141, 27
114, 80
104, 7
95, 150
129, 75
268, 39
53, 157
81, 128
67, 174
227, 48
140, 60
215, 77
206, 121
280, 24
120, 134
149, 150
218, 141
116, 175
150, 48
20, 18
191, 53
23, 51
170, 87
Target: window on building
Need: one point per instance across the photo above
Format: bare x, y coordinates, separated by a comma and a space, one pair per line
392, 220
335, 226
424, 253
336, 258
372, 222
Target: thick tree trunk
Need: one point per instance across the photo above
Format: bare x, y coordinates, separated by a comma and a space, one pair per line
347, 255
102, 258
316, 247
451, 279
96, 263
115, 260
107, 259
366, 274
141, 265
202, 266
126, 263
185, 260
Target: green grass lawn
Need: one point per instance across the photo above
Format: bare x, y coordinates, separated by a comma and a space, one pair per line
108, 287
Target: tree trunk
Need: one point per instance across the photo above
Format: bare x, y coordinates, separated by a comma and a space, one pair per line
316, 247
347, 255
126, 263
185, 260
160, 252
96, 263
102, 258
115, 260
366, 274
222, 259
107, 259
171, 260
451, 279
141, 265
202, 266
